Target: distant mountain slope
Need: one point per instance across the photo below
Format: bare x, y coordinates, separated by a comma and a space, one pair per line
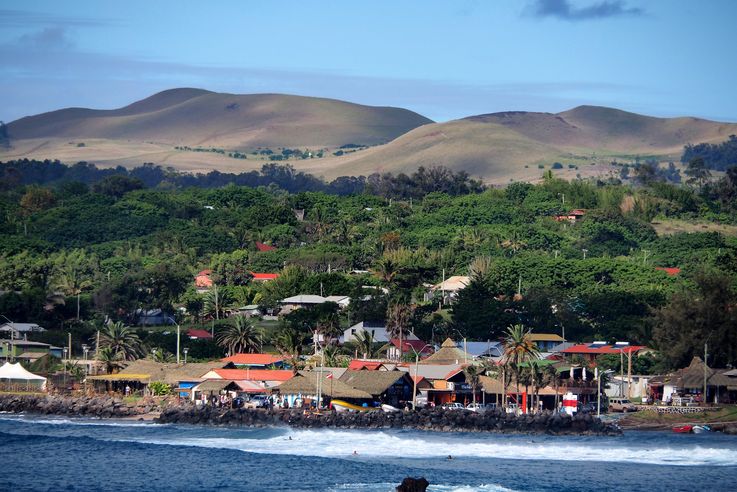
498, 146
197, 117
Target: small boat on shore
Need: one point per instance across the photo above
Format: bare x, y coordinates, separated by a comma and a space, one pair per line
389, 408
343, 406
683, 429
700, 429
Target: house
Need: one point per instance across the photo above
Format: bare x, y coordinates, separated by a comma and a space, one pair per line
408, 347
377, 329
449, 354
485, 350
392, 387
449, 288
572, 216
25, 351
592, 350
199, 335
205, 390
689, 381
203, 281
545, 342
19, 329
152, 317
254, 361
671, 271
369, 365
300, 301
264, 247
267, 377
140, 373
306, 385
264, 277
443, 383
342, 301
249, 311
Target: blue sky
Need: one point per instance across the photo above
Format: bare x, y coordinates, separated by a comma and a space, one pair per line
444, 59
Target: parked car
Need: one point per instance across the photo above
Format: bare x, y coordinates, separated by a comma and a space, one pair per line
586, 407
476, 407
621, 405
453, 406
258, 401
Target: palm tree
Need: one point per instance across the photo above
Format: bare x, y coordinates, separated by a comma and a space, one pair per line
365, 344
331, 354
518, 350
386, 270
290, 344
216, 301
121, 340
399, 319
473, 374
539, 380
161, 355
74, 274
111, 360
240, 337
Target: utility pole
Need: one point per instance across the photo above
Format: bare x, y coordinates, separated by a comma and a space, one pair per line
584, 253
629, 374
705, 369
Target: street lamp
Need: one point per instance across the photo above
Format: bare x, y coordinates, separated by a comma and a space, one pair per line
179, 334
85, 350
11, 346
185, 350
414, 379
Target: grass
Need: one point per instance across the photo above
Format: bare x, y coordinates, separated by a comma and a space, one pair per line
646, 418
666, 227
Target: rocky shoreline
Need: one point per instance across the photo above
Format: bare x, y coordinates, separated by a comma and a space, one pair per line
171, 412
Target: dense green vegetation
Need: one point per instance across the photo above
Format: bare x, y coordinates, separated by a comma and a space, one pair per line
72, 256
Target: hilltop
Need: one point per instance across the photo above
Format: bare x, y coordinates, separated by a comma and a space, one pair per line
511, 145
498, 147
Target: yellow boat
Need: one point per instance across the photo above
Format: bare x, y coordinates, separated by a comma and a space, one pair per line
343, 406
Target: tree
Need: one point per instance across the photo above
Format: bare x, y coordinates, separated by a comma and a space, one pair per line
698, 173
111, 360
290, 344
216, 300
121, 340
117, 185
472, 374
697, 316
241, 337
74, 273
518, 350
398, 322
366, 344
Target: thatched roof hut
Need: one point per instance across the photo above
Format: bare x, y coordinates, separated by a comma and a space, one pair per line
449, 353
305, 383
145, 371
374, 383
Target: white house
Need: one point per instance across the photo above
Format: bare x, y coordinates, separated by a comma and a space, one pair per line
376, 328
19, 329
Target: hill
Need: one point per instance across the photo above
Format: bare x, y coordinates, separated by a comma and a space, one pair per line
195, 117
497, 147
511, 145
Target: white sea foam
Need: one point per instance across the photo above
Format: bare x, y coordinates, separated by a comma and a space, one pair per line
342, 444
83, 422
390, 487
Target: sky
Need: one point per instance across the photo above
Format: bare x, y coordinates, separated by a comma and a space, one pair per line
443, 59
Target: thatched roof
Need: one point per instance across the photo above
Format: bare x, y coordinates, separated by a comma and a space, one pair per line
148, 370
692, 377
449, 353
306, 383
373, 382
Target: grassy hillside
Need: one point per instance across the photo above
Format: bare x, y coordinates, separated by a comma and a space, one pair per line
196, 117
498, 147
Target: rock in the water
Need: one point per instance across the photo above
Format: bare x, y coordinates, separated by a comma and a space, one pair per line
410, 484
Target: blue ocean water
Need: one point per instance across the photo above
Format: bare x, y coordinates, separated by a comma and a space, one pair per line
90, 455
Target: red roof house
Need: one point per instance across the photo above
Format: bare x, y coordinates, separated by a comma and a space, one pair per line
264, 247
250, 374
254, 360
199, 334
264, 277
368, 365
202, 280
593, 350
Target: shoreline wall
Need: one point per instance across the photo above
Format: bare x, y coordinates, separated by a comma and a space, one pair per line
426, 419
438, 420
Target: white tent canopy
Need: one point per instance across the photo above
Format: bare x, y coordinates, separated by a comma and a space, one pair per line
15, 373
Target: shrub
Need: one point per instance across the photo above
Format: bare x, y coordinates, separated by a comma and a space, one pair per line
159, 388
557, 165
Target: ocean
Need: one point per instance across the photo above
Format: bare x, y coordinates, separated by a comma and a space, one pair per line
59, 454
